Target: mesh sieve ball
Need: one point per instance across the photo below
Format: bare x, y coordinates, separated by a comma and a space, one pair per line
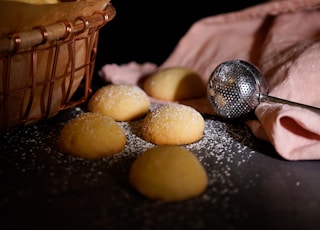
234, 88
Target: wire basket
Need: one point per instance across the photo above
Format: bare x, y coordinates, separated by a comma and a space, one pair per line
41, 69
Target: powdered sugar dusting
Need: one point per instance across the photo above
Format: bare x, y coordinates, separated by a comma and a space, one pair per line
32, 151
217, 148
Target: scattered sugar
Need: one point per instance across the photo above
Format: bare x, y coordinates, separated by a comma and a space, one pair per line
32, 152
216, 139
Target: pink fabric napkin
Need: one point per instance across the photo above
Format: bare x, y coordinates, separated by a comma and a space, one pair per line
281, 38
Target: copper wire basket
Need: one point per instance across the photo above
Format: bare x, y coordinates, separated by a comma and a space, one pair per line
42, 68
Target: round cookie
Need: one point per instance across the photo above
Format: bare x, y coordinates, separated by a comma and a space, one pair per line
174, 84
173, 124
92, 136
168, 173
120, 102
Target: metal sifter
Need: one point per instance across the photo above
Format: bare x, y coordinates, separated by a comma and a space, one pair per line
237, 87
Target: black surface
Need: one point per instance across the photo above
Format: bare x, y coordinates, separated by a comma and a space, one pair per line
250, 186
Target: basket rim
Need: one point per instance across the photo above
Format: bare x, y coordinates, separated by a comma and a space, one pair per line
60, 30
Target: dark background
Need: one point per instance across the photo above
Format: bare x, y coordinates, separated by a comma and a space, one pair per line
148, 31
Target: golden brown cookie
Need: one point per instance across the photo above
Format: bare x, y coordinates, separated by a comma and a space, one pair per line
121, 102
92, 136
173, 124
174, 84
168, 173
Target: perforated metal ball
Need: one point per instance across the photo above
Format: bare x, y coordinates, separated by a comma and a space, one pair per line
234, 88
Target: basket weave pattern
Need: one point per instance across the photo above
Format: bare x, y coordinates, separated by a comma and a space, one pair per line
40, 80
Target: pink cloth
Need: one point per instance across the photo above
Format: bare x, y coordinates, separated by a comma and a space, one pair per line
281, 38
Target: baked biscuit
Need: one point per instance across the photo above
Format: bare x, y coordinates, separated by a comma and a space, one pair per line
92, 136
174, 84
168, 173
173, 124
121, 102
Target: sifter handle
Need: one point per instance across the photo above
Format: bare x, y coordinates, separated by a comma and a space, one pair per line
267, 98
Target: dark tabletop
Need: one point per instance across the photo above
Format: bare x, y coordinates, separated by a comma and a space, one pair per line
250, 186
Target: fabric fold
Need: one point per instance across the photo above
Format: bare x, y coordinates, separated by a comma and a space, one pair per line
294, 132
